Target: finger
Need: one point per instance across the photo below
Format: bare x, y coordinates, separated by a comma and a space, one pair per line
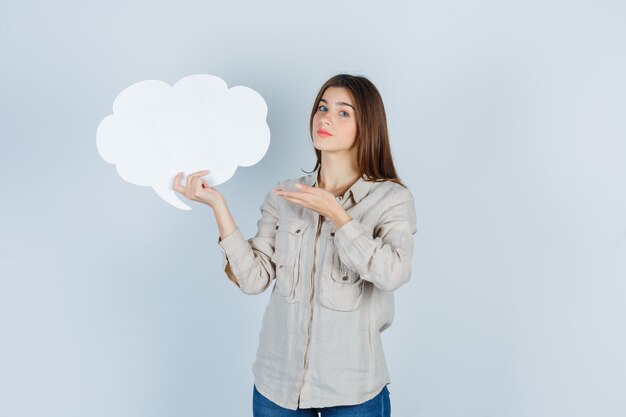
280, 191
307, 189
197, 186
196, 174
310, 198
200, 173
189, 188
193, 183
287, 194
295, 199
300, 190
176, 186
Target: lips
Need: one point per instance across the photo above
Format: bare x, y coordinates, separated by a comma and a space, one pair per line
323, 133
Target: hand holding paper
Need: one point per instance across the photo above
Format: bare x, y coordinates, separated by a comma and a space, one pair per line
197, 189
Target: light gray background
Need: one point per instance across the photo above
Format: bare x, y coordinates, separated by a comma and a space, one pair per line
507, 121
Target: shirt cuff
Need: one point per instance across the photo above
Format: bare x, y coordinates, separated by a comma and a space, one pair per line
232, 242
348, 232
228, 246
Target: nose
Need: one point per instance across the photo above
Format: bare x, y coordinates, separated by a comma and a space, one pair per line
325, 120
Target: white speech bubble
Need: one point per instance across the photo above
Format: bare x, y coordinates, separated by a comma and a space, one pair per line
156, 131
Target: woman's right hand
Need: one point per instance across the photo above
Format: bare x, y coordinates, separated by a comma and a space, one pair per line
198, 190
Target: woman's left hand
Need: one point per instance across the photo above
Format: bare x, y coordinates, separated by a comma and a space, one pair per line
317, 199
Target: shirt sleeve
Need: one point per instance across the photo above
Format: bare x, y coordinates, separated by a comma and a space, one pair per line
247, 263
384, 258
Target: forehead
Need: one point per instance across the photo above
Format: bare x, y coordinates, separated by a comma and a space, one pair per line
334, 94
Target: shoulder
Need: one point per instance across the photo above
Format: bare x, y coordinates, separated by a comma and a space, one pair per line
391, 191
394, 202
273, 201
289, 183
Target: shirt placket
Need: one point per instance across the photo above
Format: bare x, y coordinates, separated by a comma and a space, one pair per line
320, 221
311, 305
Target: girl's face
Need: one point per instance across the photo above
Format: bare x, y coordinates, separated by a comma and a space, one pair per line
334, 123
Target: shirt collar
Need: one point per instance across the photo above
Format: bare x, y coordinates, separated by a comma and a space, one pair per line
358, 190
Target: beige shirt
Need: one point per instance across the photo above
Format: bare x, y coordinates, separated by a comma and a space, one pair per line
320, 344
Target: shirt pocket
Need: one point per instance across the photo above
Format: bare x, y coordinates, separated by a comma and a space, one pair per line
286, 257
342, 289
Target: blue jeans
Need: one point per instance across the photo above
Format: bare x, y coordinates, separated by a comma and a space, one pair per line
379, 406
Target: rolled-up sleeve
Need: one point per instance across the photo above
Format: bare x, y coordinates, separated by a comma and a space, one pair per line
247, 263
384, 258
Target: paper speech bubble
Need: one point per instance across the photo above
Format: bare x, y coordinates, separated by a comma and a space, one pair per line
157, 130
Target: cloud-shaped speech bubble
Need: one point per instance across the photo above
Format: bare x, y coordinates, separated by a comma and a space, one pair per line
156, 131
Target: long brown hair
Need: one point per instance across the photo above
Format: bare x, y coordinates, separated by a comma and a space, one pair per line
372, 138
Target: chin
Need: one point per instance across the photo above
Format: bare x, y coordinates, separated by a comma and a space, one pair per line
317, 144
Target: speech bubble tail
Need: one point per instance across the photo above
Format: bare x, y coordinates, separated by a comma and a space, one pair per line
168, 195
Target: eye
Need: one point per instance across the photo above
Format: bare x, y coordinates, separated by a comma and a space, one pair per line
322, 108
344, 114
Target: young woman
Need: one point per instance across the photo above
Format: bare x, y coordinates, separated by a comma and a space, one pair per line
338, 242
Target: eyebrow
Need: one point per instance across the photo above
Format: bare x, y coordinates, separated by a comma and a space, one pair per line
341, 103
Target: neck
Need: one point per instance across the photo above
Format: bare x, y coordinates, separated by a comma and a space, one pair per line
337, 173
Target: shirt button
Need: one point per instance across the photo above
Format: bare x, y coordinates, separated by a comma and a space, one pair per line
339, 198
298, 231
276, 227
332, 233
345, 278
